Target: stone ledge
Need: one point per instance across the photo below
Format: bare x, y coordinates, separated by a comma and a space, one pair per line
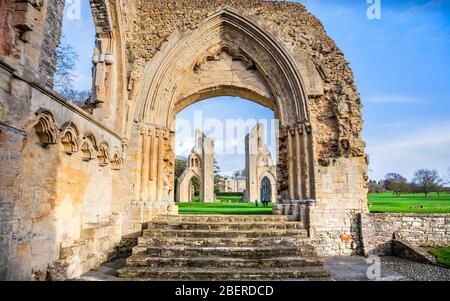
418, 215
59, 99
406, 250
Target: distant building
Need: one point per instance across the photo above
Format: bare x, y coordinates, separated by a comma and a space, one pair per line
235, 183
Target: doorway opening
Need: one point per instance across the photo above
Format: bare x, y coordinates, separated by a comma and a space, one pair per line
221, 140
266, 191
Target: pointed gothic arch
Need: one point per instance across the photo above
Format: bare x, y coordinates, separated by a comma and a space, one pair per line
161, 93
45, 127
69, 138
230, 54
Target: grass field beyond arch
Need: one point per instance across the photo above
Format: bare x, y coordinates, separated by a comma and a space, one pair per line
223, 208
378, 203
387, 202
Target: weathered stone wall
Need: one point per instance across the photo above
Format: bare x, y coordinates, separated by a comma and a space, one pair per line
57, 190
341, 196
73, 184
52, 36
320, 158
10, 157
337, 175
422, 230
32, 27
336, 116
6, 33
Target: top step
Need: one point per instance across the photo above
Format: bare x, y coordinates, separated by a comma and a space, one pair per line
223, 218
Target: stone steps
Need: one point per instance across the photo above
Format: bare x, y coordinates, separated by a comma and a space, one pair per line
242, 252
149, 273
219, 247
221, 241
224, 218
222, 262
226, 233
257, 226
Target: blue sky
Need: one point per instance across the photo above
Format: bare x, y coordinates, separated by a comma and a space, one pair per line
402, 69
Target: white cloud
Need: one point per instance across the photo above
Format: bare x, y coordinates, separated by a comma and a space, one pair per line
426, 148
391, 98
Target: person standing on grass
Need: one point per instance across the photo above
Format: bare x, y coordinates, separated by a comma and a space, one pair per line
256, 202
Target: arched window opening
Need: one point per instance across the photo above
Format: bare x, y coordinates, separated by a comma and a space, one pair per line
266, 190
224, 136
73, 76
194, 194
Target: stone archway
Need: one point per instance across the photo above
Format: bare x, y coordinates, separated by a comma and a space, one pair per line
266, 190
229, 54
153, 59
185, 190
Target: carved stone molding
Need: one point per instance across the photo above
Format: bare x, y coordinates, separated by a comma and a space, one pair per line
117, 161
103, 155
69, 138
73, 141
45, 127
88, 150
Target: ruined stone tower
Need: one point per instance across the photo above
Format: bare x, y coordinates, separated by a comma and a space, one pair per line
258, 165
199, 164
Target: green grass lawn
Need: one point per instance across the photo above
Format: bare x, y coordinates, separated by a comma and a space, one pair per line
409, 203
442, 255
383, 202
222, 208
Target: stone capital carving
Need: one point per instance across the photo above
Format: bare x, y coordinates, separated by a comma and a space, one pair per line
45, 127
69, 138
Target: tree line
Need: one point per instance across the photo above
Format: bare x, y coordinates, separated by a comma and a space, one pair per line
424, 181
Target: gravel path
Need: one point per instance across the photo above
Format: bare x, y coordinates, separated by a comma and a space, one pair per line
415, 270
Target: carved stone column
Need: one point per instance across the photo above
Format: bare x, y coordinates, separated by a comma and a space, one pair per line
103, 59
295, 170
157, 166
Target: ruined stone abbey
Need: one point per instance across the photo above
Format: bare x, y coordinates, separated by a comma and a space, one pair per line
76, 186
199, 164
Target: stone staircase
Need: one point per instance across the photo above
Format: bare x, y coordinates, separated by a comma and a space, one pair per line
224, 247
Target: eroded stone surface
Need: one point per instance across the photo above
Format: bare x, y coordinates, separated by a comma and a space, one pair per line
212, 255
73, 183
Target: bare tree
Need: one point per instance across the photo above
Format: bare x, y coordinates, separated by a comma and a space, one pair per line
447, 177
218, 179
66, 62
77, 97
64, 77
375, 187
427, 180
396, 183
